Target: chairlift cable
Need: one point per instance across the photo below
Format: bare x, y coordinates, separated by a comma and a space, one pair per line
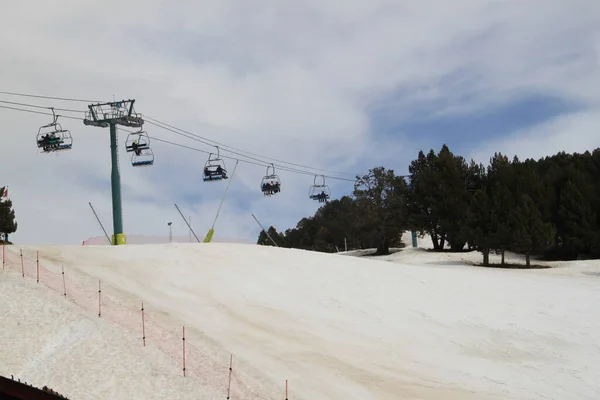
49, 97
154, 121
246, 161
44, 107
39, 112
289, 169
259, 163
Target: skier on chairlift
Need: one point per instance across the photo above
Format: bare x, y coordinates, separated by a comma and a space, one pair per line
136, 148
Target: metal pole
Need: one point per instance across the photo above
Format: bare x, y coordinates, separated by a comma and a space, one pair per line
170, 232
185, 220
211, 231
267, 233
115, 180
100, 222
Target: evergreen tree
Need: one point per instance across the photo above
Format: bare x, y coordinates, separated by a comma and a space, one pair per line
532, 234
500, 176
8, 222
576, 221
424, 198
441, 189
263, 238
501, 237
380, 197
482, 221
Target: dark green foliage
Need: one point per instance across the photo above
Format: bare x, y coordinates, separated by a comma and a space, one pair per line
374, 217
482, 223
8, 223
264, 239
548, 207
380, 199
532, 234
441, 190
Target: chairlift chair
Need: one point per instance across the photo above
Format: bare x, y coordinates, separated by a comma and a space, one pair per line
214, 168
137, 141
270, 184
319, 192
142, 158
52, 137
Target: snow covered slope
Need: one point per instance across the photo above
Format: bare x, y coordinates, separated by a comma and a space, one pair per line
335, 327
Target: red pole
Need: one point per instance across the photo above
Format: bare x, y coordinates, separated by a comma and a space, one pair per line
143, 326
184, 351
230, 371
22, 264
37, 265
64, 283
99, 299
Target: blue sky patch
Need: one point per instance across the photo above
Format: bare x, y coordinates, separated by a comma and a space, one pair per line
464, 131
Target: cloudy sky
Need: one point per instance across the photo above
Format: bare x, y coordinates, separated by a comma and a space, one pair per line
336, 85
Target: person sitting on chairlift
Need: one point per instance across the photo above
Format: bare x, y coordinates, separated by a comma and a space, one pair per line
266, 188
220, 172
135, 147
322, 197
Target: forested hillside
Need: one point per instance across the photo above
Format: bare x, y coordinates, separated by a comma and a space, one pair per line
548, 207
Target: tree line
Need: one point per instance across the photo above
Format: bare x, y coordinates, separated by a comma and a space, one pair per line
548, 208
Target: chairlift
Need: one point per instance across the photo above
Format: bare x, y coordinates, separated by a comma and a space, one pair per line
137, 141
319, 192
270, 184
142, 157
214, 168
52, 137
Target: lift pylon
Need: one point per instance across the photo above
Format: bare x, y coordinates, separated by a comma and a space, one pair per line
109, 115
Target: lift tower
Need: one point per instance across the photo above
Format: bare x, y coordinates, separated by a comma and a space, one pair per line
110, 115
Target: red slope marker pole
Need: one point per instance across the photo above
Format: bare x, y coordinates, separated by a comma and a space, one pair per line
230, 372
143, 326
64, 282
99, 299
184, 351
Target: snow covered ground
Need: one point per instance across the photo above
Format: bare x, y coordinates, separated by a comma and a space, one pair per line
413, 325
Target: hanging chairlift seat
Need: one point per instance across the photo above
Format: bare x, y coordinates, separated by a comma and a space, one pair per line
142, 158
270, 183
319, 191
137, 141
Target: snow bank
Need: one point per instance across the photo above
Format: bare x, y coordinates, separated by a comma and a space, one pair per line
337, 327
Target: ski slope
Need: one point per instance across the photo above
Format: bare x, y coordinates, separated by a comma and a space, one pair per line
417, 325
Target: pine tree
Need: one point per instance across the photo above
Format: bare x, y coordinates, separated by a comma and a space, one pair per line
482, 222
263, 238
424, 202
380, 197
575, 220
8, 223
455, 197
531, 234
501, 177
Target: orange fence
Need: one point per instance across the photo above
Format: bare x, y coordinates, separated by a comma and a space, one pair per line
193, 361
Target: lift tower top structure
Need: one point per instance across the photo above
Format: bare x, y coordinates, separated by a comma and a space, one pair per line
110, 115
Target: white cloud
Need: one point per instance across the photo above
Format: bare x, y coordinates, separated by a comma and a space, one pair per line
288, 81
